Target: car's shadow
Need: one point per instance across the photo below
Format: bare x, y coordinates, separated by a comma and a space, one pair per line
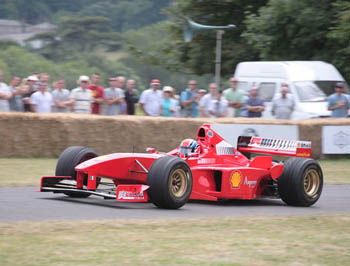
241, 203
110, 203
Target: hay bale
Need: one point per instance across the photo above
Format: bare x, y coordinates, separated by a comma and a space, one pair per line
28, 134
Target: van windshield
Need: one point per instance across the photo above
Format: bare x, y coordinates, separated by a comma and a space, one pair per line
317, 91
309, 92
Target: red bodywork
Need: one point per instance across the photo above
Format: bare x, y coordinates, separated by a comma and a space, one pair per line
220, 171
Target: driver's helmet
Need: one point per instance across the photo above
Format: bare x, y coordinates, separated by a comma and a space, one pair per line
189, 146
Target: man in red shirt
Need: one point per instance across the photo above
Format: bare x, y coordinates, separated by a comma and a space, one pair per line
97, 93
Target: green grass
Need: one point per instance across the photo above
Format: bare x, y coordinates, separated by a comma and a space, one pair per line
296, 240
27, 172
336, 171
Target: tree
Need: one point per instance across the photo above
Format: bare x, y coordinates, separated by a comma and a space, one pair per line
36, 11
198, 56
340, 36
301, 30
77, 35
24, 10
126, 15
16, 61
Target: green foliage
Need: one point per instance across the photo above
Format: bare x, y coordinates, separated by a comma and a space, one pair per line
340, 36
4, 44
122, 14
302, 30
76, 35
125, 15
19, 62
290, 29
198, 56
144, 45
24, 10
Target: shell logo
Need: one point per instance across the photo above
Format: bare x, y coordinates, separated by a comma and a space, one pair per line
236, 179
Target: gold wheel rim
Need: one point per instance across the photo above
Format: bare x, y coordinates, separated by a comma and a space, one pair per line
311, 182
178, 183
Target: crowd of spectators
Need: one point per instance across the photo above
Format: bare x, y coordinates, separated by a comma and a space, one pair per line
36, 94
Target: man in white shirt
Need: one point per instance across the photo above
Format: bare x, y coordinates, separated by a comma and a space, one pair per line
151, 99
81, 97
207, 99
41, 101
5, 95
218, 107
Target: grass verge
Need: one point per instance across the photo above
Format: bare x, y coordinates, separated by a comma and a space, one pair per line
17, 172
296, 240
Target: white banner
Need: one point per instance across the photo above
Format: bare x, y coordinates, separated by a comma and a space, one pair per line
336, 140
231, 132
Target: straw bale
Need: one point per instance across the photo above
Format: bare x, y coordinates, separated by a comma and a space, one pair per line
28, 134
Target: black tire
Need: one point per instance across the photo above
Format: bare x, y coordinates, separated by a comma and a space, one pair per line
170, 181
67, 161
301, 182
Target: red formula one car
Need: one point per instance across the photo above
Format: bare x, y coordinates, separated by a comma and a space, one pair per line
208, 168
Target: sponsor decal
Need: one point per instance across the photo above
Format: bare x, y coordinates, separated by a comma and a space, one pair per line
301, 154
210, 134
236, 179
256, 141
206, 161
304, 144
129, 195
251, 184
341, 139
92, 177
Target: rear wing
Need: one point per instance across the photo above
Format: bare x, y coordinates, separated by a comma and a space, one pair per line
273, 146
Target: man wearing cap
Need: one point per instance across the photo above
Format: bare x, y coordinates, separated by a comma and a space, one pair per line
97, 93
81, 97
114, 96
28, 88
338, 103
41, 101
235, 98
190, 100
168, 107
5, 95
151, 99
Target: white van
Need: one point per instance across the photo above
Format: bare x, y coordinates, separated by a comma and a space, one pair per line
310, 82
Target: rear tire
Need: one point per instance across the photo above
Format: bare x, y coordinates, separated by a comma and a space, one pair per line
301, 182
67, 162
170, 181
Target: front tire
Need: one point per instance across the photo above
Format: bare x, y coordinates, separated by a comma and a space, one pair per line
301, 182
170, 181
67, 162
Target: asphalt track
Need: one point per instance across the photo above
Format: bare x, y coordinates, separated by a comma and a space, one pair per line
25, 204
